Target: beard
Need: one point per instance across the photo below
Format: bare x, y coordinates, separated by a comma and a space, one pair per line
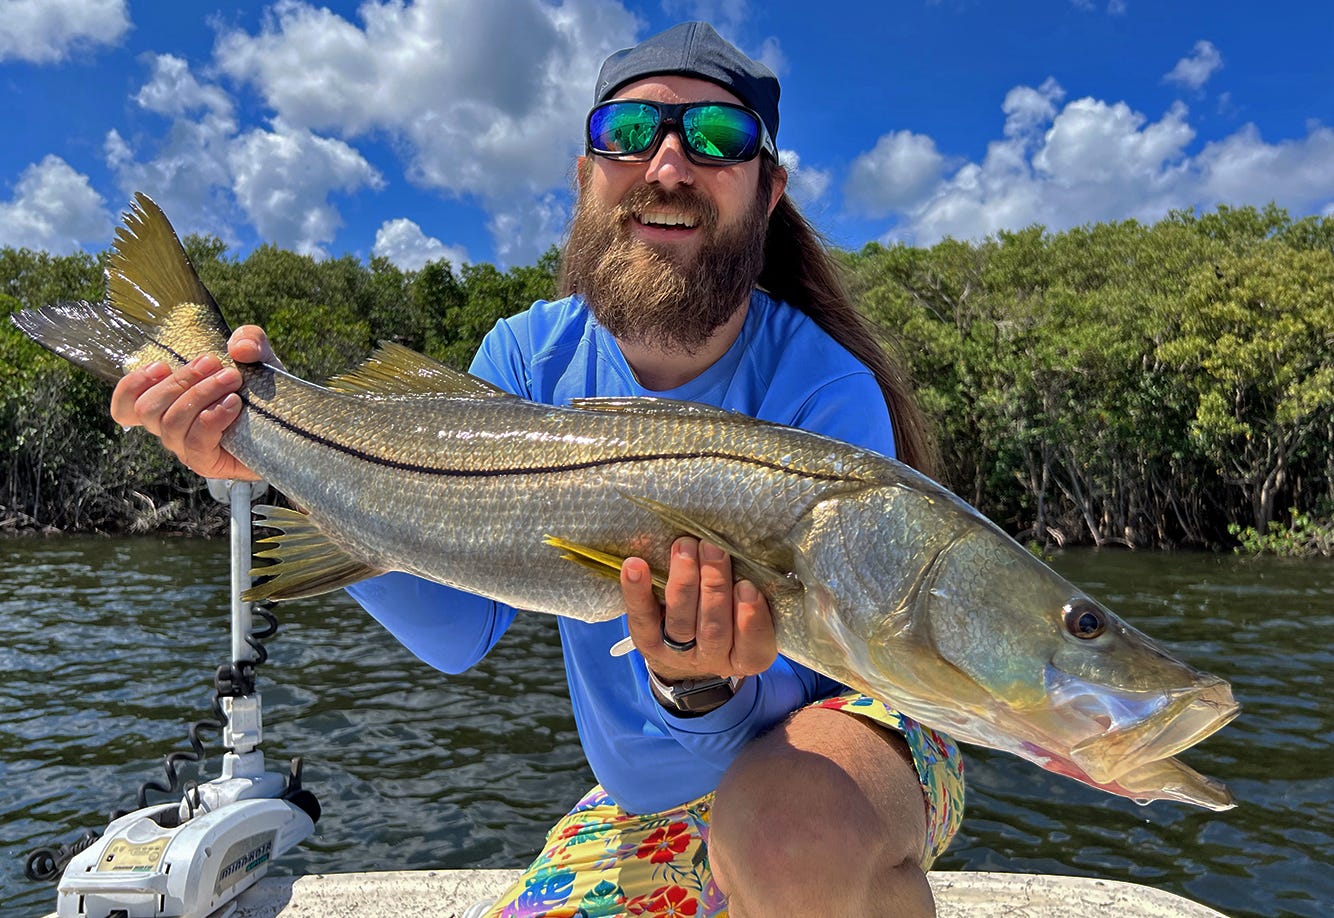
654, 296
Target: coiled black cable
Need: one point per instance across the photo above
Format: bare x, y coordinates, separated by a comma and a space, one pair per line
231, 680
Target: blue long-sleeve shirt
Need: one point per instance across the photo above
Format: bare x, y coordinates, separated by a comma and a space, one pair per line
782, 368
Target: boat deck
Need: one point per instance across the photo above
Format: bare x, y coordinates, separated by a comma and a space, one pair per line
447, 893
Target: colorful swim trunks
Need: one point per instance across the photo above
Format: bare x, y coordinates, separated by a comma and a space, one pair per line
601, 861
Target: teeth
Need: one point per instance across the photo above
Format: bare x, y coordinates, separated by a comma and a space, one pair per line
668, 219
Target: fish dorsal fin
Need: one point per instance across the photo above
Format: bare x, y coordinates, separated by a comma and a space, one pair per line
305, 561
397, 370
661, 407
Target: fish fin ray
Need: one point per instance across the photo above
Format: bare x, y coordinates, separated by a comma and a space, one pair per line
397, 370
604, 564
744, 567
150, 278
305, 562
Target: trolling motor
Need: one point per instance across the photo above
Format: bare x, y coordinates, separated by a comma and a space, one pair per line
192, 859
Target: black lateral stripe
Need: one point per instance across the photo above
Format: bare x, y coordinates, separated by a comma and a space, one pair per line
524, 470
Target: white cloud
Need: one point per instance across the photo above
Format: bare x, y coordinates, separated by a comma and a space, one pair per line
46, 31
483, 99
173, 91
282, 179
805, 184
526, 228
185, 167
407, 247
54, 209
901, 169
1194, 71
1091, 161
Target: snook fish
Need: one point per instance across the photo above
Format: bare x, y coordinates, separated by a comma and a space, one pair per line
876, 575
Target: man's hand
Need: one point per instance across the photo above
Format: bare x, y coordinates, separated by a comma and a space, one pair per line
191, 407
730, 624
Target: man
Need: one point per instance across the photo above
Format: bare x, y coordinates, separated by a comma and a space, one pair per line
732, 781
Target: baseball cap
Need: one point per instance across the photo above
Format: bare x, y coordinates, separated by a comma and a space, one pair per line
695, 49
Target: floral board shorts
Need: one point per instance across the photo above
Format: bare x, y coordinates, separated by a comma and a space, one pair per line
602, 861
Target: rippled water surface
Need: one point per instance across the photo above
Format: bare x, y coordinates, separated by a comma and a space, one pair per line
108, 648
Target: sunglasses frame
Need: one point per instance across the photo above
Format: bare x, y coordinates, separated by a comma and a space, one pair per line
671, 116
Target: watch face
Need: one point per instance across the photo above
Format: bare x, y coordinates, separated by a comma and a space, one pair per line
704, 696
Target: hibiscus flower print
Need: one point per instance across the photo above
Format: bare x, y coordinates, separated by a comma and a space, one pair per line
665, 902
666, 843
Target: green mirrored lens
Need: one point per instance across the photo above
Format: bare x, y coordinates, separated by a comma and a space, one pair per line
623, 127
721, 131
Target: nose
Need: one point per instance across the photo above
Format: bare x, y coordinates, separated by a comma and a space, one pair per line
669, 165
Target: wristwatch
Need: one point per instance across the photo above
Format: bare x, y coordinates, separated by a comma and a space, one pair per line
692, 697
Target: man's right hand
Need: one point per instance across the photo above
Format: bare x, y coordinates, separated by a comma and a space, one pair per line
190, 408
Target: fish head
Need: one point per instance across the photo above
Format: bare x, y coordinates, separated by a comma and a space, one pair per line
1052, 673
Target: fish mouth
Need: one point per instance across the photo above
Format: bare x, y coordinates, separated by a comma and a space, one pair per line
1135, 729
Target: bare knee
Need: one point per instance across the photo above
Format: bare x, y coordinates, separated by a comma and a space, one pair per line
823, 826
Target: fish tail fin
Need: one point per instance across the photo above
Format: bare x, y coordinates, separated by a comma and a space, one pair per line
156, 306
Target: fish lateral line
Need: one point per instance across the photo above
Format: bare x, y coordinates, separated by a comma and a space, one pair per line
503, 472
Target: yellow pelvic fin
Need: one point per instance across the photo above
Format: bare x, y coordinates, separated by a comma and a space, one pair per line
602, 563
305, 561
757, 572
397, 370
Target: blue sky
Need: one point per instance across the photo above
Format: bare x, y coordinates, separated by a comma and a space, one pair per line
447, 128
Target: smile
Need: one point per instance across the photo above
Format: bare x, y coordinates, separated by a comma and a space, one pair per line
667, 219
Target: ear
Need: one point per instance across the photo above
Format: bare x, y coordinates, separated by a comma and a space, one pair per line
779, 186
583, 167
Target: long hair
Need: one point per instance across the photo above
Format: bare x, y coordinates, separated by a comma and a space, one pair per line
799, 269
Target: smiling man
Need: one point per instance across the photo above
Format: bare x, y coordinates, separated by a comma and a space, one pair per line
731, 780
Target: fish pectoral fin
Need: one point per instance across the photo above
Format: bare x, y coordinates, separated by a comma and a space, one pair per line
744, 567
602, 563
305, 561
397, 370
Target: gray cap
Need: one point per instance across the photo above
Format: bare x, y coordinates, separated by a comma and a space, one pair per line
695, 49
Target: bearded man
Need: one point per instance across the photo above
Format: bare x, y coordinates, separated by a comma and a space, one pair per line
731, 780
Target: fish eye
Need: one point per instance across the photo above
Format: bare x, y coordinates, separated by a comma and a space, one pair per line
1085, 620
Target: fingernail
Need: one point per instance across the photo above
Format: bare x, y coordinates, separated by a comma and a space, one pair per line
633, 573
746, 592
710, 552
157, 370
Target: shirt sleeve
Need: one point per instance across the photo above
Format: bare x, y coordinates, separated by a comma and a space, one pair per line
850, 408
446, 628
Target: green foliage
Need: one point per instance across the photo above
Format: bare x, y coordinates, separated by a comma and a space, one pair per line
1115, 383
1304, 536
65, 463
1122, 383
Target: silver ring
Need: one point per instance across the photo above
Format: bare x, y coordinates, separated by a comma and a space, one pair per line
678, 646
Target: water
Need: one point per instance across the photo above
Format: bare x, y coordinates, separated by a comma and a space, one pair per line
108, 648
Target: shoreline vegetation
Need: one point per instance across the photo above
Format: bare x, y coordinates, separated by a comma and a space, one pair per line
1119, 384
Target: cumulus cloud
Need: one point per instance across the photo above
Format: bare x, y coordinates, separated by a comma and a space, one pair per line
54, 209
805, 184
483, 99
1087, 161
1194, 71
283, 177
407, 247
46, 31
901, 169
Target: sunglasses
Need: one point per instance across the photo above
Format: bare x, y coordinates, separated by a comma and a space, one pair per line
712, 133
